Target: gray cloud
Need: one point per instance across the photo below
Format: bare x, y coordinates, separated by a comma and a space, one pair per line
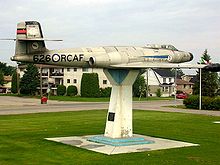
191, 25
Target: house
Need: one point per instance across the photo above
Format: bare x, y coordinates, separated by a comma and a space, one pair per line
184, 86
53, 76
162, 79
6, 88
185, 83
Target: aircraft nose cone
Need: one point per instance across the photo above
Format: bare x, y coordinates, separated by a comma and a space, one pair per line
191, 56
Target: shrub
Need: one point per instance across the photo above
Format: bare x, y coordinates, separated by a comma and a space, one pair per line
208, 103
105, 92
192, 102
90, 85
61, 90
216, 103
71, 90
158, 92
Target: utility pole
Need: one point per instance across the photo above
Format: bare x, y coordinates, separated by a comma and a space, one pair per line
18, 78
41, 92
200, 88
175, 86
147, 90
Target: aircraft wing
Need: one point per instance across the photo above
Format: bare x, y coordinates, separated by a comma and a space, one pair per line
145, 65
215, 67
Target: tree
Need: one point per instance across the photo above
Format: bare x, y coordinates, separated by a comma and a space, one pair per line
7, 70
1, 78
179, 72
209, 79
30, 80
139, 86
90, 85
14, 82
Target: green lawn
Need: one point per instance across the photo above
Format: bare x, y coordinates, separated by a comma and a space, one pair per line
22, 138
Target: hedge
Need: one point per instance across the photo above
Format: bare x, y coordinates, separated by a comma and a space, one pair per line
208, 103
90, 85
61, 90
71, 90
105, 92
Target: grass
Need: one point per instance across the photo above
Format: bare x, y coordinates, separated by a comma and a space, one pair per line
22, 138
7, 94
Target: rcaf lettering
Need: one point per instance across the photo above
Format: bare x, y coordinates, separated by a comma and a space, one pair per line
57, 58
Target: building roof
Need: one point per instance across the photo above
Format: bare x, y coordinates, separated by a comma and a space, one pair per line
183, 82
193, 79
164, 72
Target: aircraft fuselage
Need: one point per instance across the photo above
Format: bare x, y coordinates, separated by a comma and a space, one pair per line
104, 57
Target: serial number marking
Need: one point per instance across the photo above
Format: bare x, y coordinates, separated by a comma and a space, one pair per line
57, 58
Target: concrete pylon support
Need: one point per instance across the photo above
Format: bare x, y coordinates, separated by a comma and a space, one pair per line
119, 117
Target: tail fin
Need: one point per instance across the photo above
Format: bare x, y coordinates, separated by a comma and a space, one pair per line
29, 38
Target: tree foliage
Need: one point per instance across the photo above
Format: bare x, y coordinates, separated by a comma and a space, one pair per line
30, 80
209, 80
1, 78
14, 85
61, 90
179, 72
72, 90
139, 86
7, 70
90, 85
105, 92
158, 92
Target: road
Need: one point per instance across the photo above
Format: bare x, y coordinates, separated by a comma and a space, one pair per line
20, 105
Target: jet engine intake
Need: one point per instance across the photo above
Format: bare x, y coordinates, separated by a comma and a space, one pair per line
99, 61
106, 60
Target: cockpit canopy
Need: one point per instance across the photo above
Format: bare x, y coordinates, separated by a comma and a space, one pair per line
155, 46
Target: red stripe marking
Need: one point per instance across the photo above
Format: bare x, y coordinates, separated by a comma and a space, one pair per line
21, 31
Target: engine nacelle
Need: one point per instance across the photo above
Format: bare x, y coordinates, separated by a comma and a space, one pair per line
99, 61
179, 57
105, 60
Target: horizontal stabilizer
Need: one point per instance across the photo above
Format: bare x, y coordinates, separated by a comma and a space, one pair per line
29, 39
8, 39
37, 39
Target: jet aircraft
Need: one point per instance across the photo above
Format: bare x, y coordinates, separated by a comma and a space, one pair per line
30, 47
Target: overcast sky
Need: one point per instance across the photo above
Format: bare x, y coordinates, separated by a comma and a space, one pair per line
189, 25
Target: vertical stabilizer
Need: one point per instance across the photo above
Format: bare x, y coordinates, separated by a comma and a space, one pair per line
29, 38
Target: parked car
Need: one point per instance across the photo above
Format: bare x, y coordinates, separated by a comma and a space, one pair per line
181, 96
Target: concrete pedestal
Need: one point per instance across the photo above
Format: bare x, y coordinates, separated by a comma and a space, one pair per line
119, 117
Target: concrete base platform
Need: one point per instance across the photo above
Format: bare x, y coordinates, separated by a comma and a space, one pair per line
159, 144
